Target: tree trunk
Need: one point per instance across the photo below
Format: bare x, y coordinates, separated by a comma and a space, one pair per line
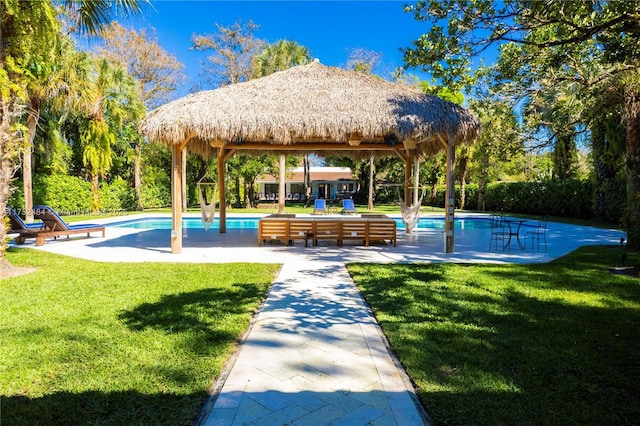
27, 156
95, 191
632, 126
8, 151
483, 179
603, 166
307, 179
183, 188
238, 195
416, 180
464, 170
137, 179
564, 156
281, 187
6, 172
370, 202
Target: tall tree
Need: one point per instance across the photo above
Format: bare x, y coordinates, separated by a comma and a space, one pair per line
279, 56
274, 57
27, 33
111, 100
158, 74
364, 61
544, 31
232, 51
26, 47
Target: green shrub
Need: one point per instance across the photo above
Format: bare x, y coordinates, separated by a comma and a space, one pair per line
117, 196
155, 196
559, 197
156, 188
65, 194
471, 197
16, 200
616, 201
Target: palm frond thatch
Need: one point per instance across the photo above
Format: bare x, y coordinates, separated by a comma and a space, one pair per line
310, 103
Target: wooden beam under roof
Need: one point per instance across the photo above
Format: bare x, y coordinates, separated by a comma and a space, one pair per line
313, 147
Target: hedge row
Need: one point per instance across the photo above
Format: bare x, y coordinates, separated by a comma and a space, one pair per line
72, 195
559, 197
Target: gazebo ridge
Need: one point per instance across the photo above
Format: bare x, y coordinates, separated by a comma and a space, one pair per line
310, 108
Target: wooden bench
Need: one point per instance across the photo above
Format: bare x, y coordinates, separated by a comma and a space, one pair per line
381, 230
288, 228
354, 230
300, 229
273, 230
327, 230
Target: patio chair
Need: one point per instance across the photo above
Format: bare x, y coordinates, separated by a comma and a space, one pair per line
54, 226
17, 224
498, 232
320, 206
538, 233
348, 207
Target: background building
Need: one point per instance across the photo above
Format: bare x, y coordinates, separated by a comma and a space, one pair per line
326, 182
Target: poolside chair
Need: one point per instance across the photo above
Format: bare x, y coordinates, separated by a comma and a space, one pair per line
498, 232
17, 224
348, 207
320, 206
54, 226
538, 233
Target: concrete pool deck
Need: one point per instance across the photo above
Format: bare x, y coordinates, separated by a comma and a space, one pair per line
314, 354
241, 245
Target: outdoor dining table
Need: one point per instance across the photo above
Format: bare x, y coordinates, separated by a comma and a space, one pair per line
514, 229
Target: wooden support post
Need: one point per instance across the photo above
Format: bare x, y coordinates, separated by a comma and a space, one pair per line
416, 180
221, 191
407, 180
176, 199
281, 183
183, 188
450, 198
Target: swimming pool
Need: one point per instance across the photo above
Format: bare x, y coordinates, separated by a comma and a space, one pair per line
251, 222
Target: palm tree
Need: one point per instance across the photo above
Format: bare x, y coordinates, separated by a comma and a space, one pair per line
279, 56
109, 100
275, 57
53, 85
27, 30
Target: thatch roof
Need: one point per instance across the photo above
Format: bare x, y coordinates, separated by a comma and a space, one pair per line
311, 104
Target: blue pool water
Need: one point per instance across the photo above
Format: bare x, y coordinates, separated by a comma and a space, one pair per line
252, 223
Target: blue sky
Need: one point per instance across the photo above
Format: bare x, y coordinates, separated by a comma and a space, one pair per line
328, 28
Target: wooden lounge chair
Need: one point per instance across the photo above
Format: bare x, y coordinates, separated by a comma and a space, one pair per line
348, 207
17, 224
54, 226
320, 206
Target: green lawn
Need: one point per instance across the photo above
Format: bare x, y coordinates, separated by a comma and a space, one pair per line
557, 343
105, 343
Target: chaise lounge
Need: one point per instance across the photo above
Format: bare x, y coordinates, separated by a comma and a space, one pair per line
17, 224
320, 206
53, 226
348, 207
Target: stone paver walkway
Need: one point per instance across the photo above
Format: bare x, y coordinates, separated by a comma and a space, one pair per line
314, 356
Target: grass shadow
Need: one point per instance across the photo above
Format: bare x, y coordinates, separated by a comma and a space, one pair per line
103, 408
514, 344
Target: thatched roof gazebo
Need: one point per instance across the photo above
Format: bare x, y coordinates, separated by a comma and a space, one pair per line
309, 108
